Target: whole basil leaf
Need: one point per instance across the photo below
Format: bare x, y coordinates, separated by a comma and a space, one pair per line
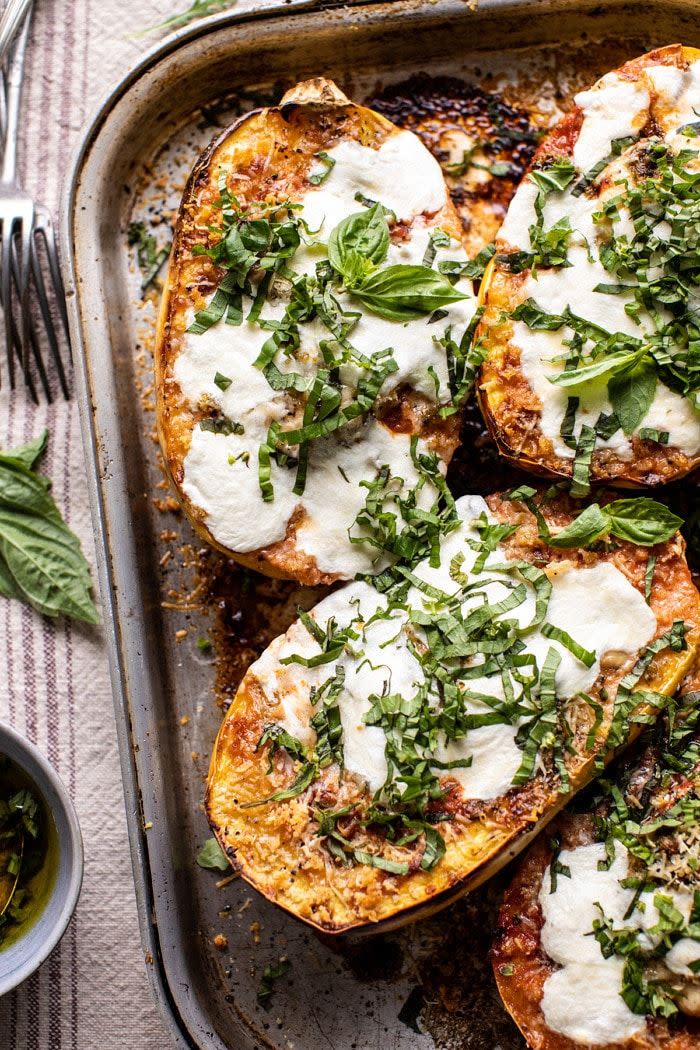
631, 393
22, 489
362, 237
45, 560
8, 587
606, 364
212, 856
590, 525
27, 454
556, 177
402, 293
642, 520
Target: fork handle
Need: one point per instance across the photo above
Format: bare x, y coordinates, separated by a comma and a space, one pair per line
10, 22
15, 74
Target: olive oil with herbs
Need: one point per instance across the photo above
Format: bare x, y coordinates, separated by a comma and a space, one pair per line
28, 853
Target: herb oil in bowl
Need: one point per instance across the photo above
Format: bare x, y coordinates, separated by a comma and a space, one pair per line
28, 853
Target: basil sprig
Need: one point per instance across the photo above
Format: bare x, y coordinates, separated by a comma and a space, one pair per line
359, 242
639, 520
40, 558
357, 247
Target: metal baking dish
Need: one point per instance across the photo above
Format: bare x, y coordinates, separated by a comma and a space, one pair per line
339, 994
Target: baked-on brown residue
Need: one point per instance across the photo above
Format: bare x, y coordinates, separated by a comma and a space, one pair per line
483, 144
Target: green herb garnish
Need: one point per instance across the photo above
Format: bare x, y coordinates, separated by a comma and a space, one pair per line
212, 856
23, 850
198, 9
272, 973
40, 558
150, 257
639, 520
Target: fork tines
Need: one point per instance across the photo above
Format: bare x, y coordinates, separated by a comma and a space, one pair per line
32, 296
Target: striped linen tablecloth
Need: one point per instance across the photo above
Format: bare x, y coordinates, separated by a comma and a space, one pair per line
92, 993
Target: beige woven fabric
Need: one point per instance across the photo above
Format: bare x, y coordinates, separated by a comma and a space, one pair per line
54, 685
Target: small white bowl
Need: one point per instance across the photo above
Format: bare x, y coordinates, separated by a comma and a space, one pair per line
22, 957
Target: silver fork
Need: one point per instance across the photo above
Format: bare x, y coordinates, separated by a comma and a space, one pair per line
29, 271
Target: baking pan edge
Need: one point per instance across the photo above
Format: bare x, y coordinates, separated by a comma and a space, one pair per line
116, 645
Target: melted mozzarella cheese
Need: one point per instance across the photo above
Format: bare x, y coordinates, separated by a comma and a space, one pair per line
584, 1003
221, 471
401, 173
515, 229
669, 411
224, 484
682, 955
495, 759
601, 610
221, 478
613, 109
597, 606
380, 664
677, 92
334, 496
582, 999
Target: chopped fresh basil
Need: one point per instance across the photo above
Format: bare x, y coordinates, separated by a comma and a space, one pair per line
223, 382
376, 861
499, 169
554, 178
473, 268
220, 425
558, 634
617, 147
149, 256
272, 972
649, 577
580, 479
438, 239
650, 434
328, 163
653, 812
536, 319
566, 431
556, 868
655, 274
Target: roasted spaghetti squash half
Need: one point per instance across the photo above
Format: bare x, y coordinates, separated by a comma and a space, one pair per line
599, 934
412, 732
314, 329
591, 325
